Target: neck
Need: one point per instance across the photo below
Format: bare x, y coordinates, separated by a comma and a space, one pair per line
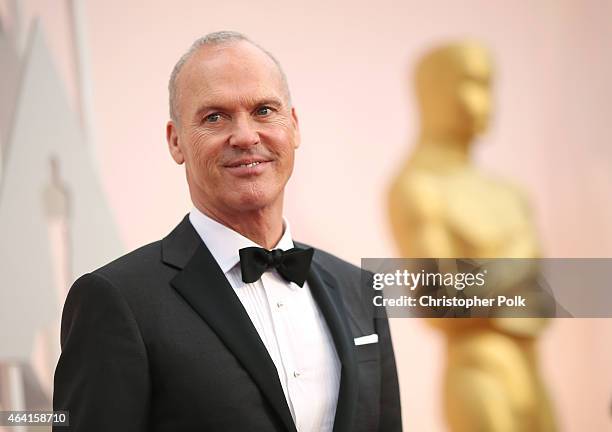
263, 226
447, 150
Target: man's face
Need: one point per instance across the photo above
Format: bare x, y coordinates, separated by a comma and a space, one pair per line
235, 131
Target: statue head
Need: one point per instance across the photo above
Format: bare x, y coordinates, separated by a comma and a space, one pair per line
453, 88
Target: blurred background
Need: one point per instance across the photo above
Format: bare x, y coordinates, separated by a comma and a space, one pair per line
85, 174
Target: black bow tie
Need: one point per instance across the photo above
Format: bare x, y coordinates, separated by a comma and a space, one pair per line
293, 265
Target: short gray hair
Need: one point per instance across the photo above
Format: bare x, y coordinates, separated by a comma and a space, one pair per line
211, 39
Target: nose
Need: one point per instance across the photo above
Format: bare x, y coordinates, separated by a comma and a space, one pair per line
243, 134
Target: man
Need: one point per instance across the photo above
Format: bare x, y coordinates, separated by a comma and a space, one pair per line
207, 329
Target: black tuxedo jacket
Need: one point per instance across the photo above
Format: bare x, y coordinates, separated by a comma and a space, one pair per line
157, 340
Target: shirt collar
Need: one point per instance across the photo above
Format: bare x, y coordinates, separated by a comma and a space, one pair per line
224, 243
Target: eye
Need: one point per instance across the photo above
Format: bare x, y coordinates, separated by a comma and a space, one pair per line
263, 111
212, 118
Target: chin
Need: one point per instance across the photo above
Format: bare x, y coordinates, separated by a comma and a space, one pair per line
253, 200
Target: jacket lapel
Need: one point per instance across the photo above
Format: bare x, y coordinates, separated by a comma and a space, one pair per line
204, 286
325, 290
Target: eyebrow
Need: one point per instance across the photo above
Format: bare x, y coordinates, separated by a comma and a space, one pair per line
253, 103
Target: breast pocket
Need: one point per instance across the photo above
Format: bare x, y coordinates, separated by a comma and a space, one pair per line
368, 405
368, 352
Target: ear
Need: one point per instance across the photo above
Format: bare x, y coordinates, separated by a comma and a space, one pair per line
173, 142
296, 128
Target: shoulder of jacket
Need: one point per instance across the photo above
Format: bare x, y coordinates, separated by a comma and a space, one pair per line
140, 261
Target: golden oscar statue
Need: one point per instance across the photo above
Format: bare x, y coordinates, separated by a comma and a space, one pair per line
442, 206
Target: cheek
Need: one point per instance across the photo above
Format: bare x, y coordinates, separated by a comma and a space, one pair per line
286, 156
281, 139
203, 154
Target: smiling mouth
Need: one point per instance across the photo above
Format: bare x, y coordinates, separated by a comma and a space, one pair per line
248, 168
248, 165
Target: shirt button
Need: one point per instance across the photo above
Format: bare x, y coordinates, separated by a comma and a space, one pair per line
279, 304
296, 374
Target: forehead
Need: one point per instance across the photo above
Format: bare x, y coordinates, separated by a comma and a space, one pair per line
475, 63
228, 73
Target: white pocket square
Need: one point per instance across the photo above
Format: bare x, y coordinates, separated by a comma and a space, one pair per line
369, 339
